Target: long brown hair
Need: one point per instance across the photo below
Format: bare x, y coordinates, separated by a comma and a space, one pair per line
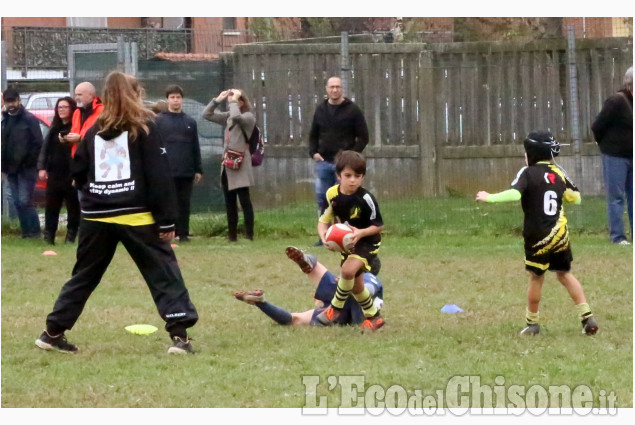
123, 106
246, 103
57, 121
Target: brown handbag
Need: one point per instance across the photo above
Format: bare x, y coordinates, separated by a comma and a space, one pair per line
233, 159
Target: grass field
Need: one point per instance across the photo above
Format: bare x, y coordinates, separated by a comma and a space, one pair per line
434, 253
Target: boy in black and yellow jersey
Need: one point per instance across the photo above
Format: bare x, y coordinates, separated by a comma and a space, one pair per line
541, 187
349, 202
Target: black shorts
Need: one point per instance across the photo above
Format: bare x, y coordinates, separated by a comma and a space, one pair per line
559, 261
367, 253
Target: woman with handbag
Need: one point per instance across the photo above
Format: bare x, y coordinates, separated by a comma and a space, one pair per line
236, 169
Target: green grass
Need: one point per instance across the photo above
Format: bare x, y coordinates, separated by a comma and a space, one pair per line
449, 251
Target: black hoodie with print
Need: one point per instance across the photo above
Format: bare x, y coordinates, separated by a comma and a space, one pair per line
119, 175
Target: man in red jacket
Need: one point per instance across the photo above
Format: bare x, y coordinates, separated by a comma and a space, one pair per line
89, 107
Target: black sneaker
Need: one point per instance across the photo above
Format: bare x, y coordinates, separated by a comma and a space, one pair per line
589, 326
49, 238
531, 329
181, 346
59, 343
71, 235
184, 239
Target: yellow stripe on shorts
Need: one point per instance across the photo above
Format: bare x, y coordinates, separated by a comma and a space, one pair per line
137, 219
537, 265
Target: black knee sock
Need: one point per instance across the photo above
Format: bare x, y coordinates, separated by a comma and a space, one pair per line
279, 315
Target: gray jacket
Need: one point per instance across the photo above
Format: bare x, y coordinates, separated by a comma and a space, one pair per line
234, 139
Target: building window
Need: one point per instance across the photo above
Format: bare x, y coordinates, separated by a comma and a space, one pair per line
229, 23
87, 22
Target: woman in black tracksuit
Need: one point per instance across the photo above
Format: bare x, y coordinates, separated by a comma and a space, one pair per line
127, 196
54, 165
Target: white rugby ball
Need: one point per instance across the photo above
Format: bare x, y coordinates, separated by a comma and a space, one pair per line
338, 238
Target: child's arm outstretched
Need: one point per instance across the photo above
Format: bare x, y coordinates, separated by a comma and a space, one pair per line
508, 195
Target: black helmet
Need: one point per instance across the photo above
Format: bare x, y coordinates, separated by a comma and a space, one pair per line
541, 146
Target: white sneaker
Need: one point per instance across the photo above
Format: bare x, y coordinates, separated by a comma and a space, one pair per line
623, 242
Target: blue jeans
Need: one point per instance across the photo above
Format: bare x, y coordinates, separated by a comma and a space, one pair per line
618, 183
22, 187
325, 177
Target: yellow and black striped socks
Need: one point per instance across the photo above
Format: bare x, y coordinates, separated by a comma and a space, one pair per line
365, 301
344, 289
532, 318
584, 311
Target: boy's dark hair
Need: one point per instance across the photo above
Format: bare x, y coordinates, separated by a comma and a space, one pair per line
352, 159
541, 146
173, 89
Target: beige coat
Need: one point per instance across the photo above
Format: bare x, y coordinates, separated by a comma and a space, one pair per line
234, 139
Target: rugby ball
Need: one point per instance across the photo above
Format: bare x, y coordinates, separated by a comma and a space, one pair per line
338, 238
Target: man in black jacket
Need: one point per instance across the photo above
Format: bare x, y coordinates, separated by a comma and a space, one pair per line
21, 143
180, 135
338, 124
613, 130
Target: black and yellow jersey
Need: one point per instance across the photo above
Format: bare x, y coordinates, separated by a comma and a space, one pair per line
359, 210
543, 187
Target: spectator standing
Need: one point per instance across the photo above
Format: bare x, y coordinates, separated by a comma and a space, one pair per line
123, 152
180, 135
239, 122
89, 106
21, 144
338, 125
54, 165
613, 131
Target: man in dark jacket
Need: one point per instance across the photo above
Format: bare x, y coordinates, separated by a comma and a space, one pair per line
21, 143
613, 130
180, 135
338, 124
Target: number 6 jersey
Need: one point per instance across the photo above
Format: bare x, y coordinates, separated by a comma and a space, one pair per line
543, 187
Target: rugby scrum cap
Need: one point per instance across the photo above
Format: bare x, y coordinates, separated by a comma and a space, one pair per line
541, 145
10, 94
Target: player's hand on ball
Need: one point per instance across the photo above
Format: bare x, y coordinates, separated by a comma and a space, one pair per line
481, 196
357, 235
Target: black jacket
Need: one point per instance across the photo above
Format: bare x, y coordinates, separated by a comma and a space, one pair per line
180, 135
613, 127
21, 141
125, 176
336, 128
55, 156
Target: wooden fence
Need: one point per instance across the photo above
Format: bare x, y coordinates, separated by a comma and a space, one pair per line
443, 118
